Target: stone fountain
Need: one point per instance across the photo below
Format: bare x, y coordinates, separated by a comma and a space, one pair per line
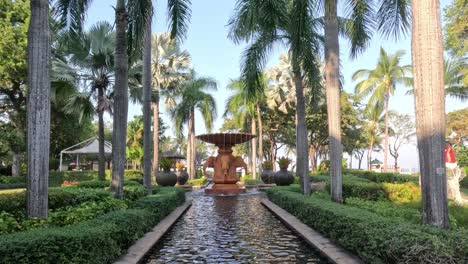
225, 164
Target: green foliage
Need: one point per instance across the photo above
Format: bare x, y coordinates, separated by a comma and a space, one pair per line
267, 165
456, 36
374, 238
103, 184
324, 166
382, 176
100, 240
15, 203
166, 164
198, 182
61, 217
462, 155
363, 188
248, 180
284, 162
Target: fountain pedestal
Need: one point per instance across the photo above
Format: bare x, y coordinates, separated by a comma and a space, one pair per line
225, 164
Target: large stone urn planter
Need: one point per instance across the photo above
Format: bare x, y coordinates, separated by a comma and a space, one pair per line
182, 177
283, 177
166, 178
267, 176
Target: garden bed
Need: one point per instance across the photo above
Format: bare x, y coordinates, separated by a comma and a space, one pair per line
98, 240
373, 237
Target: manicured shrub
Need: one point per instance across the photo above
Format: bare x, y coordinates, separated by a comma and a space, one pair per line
248, 180
383, 176
15, 203
374, 238
6, 186
61, 217
198, 182
104, 184
402, 193
100, 240
10, 179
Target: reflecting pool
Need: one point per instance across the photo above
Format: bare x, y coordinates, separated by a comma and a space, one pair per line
231, 229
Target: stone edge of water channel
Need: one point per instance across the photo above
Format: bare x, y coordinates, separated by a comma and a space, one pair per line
325, 246
141, 247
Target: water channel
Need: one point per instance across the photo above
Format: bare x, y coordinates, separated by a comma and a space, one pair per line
231, 229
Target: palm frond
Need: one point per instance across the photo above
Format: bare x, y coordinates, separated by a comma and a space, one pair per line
72, 13
138, 12
360, 26
179, 14
394, 17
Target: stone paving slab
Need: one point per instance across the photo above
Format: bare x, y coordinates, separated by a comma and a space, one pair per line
325, 246
136, 252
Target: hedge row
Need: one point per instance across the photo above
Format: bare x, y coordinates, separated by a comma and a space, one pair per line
56, 178
365, 189
383, 176
374, 238
15, 203
100, 240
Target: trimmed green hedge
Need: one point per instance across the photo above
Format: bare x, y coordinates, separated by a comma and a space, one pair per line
198, 182
374, 238
56, 178
100, 240
383, 176
104, 184
363, 188
15, 203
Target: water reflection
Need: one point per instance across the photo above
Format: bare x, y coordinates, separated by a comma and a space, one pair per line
231, 229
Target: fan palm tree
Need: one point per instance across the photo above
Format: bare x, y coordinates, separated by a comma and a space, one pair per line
291, 22
92, 53
170, 67
194, 96
380, 84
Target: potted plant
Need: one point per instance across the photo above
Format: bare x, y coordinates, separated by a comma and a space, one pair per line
182, 175
283, 177
166, 177
267, 173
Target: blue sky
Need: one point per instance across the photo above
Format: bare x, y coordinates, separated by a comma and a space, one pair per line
216, 56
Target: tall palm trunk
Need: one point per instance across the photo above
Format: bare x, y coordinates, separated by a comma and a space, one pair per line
156, 134
302, 155
332, 73
253, 130
147, 105
260, 137
190, 145
101, 157
38, 108
429, 94
120, 100
194, 147
385, 163
369, 154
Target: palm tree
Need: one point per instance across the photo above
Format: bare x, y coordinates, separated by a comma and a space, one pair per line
391, 17
380, 84
170, 67
147, 102
129, 37
242, 107
427, 56
290, 22
375, 124
38, 108
92, 53
453, 79
135, 134
194, 96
